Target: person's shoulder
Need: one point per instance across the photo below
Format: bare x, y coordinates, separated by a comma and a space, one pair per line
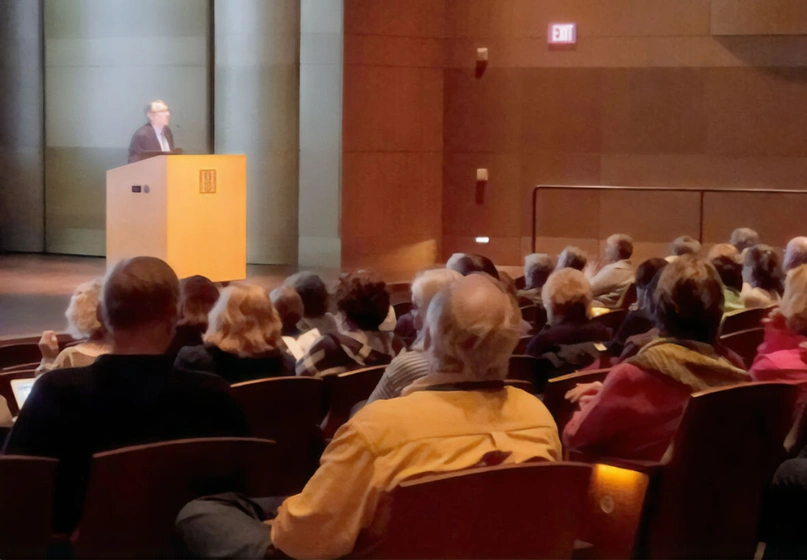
198, 380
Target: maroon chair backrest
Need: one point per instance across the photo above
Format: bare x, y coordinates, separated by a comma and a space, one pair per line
288, 411
613, 319
628, 297
402, 308
346, 390
26, 502
135, 493
515, 511
521, 347
708, 499
16, 354
743, 320
5, 387
556, 389
744, 343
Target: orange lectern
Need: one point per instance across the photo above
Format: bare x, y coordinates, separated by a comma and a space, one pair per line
189, 210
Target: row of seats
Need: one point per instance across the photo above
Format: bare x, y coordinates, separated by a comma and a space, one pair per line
702, 500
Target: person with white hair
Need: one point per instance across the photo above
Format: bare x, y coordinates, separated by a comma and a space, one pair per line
83, 324
131, 396
461, 415
243, 339
572, 257
795, 254
632, 413
683, 245
617, 275
537, 268
743, 239
155, 135
410, 365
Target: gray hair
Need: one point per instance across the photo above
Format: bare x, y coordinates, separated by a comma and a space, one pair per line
572, 257
427, 283
537, 268
795, 253
685, 245
743, 238
472, 328
567, 294
618, 247
688, 300
140, 292
150, 106
82, 312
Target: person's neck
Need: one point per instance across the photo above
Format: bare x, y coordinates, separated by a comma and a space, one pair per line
141, 342
156, 128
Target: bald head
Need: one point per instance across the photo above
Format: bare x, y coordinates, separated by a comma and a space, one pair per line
140, 293
472, 327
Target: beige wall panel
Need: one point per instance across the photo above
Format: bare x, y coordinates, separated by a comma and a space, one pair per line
701, 171
633, 52
417, 52
567, 214
391, 195
392, 109
759, 17
482, 114
654, 111
503, 251
408, 18
777, 217
499, 212
561, 110
649, 216
759, 112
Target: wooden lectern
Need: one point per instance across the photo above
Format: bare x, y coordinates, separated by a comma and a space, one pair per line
189, 210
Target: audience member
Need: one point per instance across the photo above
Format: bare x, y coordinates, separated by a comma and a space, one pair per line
445, 425
572, 257
795, 254
569, 336
289, 306
197, 296
83, 324
779, 357
640, 318
634, 413
314, 294
537, 268
684, 245
613, 279
128, 397
363, 302
242, 342
731, 275
466, 264
724, 250
762, 277
409, 366
743, 239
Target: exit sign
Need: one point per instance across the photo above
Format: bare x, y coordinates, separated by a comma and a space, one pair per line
562, 34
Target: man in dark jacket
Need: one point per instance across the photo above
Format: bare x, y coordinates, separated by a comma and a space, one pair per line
155, 136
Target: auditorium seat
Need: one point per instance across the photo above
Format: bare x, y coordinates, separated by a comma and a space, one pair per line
743, 320
628, 297
514, 511
288, 411
16, 354
521, 347
704, 498
5, 387
556, 389
18, 367
402, 308
744, 343
345, 391
521, 283
135, 493
399, 292
534, 370
613, 319
26, 502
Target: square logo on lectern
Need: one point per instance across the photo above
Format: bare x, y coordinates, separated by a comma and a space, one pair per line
207, 181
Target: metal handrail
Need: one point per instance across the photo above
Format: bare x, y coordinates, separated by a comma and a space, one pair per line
702, 192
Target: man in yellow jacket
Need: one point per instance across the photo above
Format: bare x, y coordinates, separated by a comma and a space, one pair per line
459, 416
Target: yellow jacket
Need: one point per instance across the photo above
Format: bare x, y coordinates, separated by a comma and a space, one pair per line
391, 440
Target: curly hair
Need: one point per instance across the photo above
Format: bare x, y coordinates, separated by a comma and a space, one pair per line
82, 312
363, 299
243, 322
566, 295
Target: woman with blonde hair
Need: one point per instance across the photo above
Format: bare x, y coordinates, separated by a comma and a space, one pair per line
779, 357
243, 339
82, 324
